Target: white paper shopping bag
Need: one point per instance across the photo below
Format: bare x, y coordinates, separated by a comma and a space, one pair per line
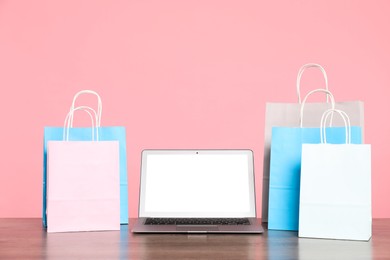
82, 184
335, 191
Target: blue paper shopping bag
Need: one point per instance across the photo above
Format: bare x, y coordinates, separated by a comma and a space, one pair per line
111, 133
285, 165
285, 170
106, 133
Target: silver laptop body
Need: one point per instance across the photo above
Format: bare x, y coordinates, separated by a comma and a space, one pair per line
197, 191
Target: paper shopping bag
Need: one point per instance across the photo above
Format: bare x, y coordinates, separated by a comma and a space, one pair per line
335, 195
83, 186
82, 191
285, 164
106, 133
285, 170
288, 115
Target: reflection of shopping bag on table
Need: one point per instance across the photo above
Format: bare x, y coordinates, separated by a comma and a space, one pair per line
335, 198
82, 184
287, 115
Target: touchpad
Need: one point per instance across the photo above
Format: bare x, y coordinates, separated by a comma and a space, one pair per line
196, 228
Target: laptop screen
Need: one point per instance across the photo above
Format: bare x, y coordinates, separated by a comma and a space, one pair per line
197, 183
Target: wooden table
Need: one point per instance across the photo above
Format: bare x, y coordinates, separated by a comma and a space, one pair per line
26, 239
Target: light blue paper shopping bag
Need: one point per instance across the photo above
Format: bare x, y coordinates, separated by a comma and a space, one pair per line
107, 133
112, 133
285, 165
285, 170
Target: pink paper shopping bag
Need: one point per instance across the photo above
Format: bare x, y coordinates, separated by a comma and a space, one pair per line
83, 184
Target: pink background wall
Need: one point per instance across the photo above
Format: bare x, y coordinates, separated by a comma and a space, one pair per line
182, 74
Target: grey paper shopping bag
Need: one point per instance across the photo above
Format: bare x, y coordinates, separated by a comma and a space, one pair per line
288, 115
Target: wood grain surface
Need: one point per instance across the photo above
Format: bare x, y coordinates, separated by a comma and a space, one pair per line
26, 239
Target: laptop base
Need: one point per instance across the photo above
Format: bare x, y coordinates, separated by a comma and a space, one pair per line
254, 228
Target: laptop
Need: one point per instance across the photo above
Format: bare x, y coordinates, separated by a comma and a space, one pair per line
197, 191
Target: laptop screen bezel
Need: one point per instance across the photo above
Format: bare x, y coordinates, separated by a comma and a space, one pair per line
251, 182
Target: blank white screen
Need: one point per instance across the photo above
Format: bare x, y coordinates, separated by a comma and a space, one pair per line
197, 185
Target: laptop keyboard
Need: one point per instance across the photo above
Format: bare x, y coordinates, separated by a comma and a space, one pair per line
197, 221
